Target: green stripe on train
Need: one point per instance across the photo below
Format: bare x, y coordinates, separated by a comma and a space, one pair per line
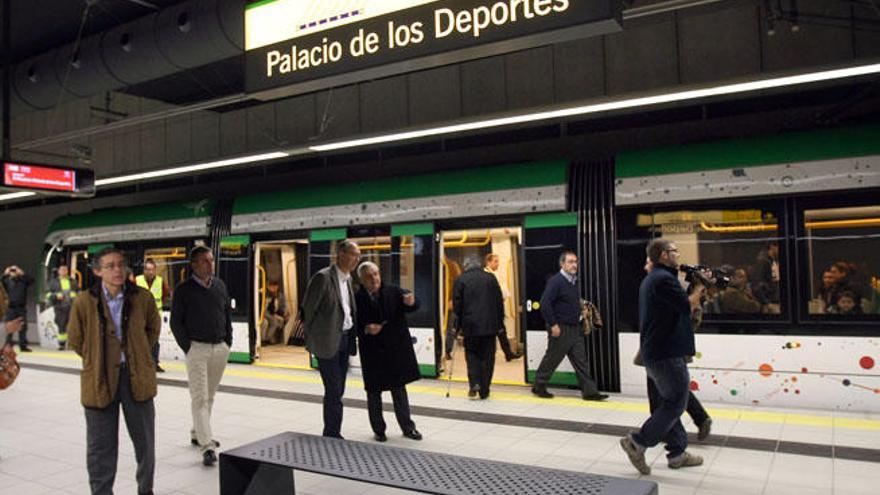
750, 152
557, 378
239, 357
485, 179
551, 220
135, 214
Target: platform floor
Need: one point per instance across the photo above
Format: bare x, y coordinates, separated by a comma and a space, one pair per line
752, 450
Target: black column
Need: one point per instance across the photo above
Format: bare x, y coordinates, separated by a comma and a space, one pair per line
592, 197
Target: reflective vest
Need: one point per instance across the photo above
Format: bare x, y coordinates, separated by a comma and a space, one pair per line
156, 289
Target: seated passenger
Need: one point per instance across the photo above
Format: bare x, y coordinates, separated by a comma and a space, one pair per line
736, 298
276, 314
848, 303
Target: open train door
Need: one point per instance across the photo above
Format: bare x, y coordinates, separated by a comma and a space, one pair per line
545, 237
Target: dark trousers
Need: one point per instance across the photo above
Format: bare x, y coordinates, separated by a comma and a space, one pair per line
401, 410
504, 342
102, 428
569, 343
450, 339
62, 315
480, 357
155, 352
333, 371
18, 312
672, 382
694, 409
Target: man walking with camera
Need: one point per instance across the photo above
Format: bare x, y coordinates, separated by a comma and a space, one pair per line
666, 338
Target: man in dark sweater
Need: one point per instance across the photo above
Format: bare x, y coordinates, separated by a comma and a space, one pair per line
202, 325
16, 283
561, 309
666, 338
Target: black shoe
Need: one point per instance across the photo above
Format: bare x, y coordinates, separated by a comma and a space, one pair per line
512, 356
472, 392
209, 458
413, 434
380, 437
159, 369
484, 396
542, 392
596, 397
25, 349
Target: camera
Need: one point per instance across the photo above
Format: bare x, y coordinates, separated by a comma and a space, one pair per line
719, 278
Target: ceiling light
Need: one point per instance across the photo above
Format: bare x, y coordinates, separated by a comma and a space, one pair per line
190, 168
727, 89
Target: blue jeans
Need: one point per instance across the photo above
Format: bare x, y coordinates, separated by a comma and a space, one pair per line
672, 380
333, 371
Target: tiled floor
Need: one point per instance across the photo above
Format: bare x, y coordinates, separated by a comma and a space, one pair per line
42, 438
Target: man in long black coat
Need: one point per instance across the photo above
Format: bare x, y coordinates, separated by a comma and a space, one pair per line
388, 360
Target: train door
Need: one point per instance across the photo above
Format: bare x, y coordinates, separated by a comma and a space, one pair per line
233, 267
413, 269
497, 250
545, 238
79, 268
281, 269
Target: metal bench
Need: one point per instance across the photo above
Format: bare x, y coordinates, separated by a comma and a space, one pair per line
266, 467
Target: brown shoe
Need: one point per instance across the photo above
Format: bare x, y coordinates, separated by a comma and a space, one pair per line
686, 459
636, 455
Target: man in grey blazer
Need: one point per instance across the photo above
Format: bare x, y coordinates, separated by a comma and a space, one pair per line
329, 311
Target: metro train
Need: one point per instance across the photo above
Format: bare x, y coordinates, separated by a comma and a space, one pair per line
777, 213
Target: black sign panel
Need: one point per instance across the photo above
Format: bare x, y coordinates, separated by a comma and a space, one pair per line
430, 35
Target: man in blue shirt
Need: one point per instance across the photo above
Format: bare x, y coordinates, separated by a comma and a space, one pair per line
562, 312
666, 339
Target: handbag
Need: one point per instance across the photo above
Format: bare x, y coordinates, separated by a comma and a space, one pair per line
9, 367
592, 318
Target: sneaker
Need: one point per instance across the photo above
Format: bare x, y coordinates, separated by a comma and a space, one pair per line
542, 392
636, 455
209, 458
705, 429
686, 459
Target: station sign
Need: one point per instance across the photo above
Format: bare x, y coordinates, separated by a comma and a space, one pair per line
295, 46
48, 179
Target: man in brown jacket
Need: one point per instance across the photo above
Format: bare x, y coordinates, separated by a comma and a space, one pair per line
113, 326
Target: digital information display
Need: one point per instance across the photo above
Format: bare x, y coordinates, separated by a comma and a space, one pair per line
36, 177
295, 46
48, 179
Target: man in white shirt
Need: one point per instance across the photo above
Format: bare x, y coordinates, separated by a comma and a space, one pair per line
328, 318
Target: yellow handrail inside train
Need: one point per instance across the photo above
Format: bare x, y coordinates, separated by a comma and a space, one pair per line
463, 242
262, 290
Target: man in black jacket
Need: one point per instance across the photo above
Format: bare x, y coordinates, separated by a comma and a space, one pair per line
16, 283
666, 338
479, 307
388, 360
562, 312
202, 325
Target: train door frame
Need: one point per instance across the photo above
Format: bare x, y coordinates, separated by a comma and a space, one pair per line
518, 300
257, 271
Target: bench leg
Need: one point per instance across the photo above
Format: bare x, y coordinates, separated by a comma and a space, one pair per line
246, 477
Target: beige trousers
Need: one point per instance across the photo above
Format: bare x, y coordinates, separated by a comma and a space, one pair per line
204, 368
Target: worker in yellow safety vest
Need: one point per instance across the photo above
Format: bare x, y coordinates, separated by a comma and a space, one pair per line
62, 291
159, 288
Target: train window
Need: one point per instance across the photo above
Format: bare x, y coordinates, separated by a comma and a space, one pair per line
741, 245
233, 270
842, 246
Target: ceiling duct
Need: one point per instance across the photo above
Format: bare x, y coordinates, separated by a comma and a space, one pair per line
181, 37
